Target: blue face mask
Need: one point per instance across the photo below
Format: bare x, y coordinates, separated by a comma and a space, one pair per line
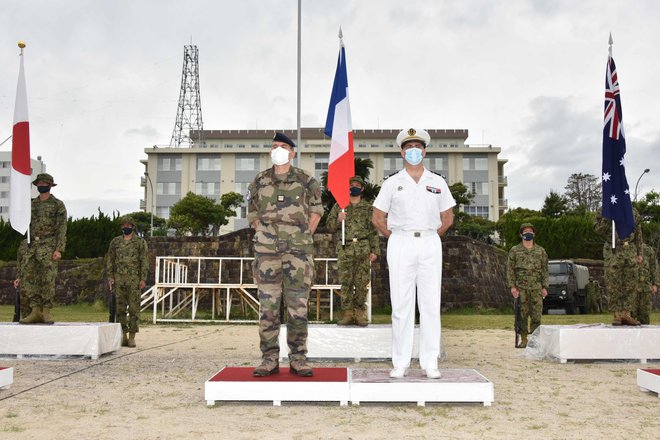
43, 189
414, 156
127, 231
355, 191
528, 236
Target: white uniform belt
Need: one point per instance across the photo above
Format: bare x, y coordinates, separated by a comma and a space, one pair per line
423, 233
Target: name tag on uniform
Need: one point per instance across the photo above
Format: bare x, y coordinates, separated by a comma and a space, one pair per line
433, 190
280, 198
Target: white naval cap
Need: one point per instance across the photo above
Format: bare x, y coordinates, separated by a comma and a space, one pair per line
413, 134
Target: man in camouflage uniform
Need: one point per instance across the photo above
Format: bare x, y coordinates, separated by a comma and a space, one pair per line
37, 260
594, 293
527, 272
127, 266
647, 285
284, 208
360, 249
621, 270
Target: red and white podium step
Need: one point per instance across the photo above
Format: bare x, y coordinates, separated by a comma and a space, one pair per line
238, 384
87, 339
345, 385
649, 380
6, 377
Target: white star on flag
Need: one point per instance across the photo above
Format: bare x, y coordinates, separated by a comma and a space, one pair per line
627, 191
606, 177
613, 200
622, 162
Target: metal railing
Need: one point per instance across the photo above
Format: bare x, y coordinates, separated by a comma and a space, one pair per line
181, 282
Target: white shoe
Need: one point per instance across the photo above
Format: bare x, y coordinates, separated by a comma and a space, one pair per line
397, 373
432, 373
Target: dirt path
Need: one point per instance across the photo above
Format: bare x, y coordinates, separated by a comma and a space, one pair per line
157, 392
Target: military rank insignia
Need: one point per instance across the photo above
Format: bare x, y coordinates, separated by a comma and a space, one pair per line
411, 132
400, 188
433, 190
280, 197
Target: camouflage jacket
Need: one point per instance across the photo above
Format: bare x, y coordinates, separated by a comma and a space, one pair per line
648, 273
283, 208
527, 268
603, 226
360, 233
127, 258
48, 223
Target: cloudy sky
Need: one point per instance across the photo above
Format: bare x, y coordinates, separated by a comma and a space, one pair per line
103, 79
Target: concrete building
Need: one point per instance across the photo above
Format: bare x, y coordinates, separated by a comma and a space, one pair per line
5, 176
229, 160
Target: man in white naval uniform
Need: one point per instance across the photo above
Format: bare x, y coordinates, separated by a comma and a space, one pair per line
413, 209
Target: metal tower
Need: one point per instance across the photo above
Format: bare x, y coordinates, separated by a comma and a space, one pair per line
189, 112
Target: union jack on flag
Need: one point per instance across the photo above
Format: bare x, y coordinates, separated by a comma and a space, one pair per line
616, 193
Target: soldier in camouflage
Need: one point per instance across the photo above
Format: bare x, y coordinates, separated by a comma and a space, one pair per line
594, 296
284, 208
37, 259
127, 266
360, 249
647, 285
621, 270
527, 272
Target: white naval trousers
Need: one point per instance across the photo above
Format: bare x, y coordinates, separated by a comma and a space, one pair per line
415, 261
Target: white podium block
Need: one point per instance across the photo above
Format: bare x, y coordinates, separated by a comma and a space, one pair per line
649, 380
85, 339
598, 342
455, 385
238, 384
328, 341
6, 377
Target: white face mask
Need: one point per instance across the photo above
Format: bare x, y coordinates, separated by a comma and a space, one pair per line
279, 156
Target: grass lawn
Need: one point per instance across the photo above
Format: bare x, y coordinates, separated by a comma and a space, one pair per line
458, 320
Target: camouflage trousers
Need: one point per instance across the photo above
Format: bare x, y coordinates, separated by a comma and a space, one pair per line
354, 279
642, 309
127, 293
531, 308
288, 277
621, 281
37, 276
593, 301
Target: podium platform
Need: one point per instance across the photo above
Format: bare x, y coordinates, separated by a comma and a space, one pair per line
595, 342
238, 384
343, 385
455, 385
6, 377
325, 341
86, 339
649, 380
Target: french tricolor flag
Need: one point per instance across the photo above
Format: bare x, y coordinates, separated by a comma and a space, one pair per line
19, 190
338, 127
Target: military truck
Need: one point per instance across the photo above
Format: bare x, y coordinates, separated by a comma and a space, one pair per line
567, 291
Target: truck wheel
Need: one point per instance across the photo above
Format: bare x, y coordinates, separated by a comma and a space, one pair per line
570, 307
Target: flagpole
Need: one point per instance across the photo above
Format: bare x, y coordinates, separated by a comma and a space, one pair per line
299, 56
609, 51
343, 222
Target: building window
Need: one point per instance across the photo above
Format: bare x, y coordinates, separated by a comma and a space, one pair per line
479, 211
478, 188
241, 146
172, 163
169, 189
208, 189
255, 146
163, 211
4, 209
4, 179
475, 163
246, 164
242, 188
4, 194
229, 145
208, 164
5, 164
392, 163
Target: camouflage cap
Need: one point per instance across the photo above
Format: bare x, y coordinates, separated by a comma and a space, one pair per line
357, 179
526, 225
44, 177
126, 219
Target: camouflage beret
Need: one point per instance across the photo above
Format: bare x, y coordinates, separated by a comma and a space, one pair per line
44, 177
126, 219
357, 179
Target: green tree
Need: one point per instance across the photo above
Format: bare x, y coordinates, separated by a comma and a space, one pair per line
199, 215
649, 209
583, 193
554, 205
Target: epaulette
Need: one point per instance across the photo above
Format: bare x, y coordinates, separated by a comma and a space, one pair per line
387, 177
435, 172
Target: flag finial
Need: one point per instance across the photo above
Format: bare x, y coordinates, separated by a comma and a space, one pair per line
341, 35
610, 41
21, 44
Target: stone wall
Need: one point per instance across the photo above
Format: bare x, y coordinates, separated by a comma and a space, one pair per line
474, 273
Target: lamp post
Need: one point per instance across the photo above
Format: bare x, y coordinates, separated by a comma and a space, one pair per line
640, 178
151, 185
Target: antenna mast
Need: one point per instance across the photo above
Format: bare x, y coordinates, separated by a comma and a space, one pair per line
188, 125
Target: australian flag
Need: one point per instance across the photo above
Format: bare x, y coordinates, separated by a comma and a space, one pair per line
616, 193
